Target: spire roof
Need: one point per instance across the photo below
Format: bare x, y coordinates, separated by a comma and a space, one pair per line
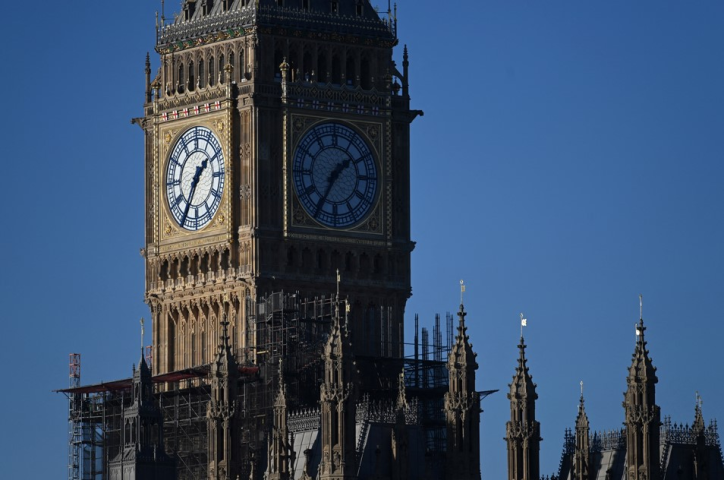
582, 418
522, 380
698, 425
642, 369
462, 351
225, 361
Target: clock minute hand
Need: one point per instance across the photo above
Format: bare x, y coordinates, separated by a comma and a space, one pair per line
333, 176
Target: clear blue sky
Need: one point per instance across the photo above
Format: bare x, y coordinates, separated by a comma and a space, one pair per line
571, 156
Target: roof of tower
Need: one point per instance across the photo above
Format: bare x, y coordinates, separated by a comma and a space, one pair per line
522, 384
462, 351
582, 418
142, 374
338, 343
641, 366
223, 18
698, 426
225, 362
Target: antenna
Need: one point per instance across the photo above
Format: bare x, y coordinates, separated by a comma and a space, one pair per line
163, 15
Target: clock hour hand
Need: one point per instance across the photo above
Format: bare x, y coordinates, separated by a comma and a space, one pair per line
194, 182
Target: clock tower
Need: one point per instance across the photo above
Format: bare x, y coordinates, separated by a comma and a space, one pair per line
277, 155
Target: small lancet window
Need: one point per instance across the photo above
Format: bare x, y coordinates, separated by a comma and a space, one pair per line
305, 4
360, 10
335, 6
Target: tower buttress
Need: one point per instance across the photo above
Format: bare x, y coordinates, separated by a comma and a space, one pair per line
222, 413
338, 397
462, 409
523, 431
643, 416
581, 456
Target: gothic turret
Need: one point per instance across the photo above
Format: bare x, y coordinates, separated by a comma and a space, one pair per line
523, 431
462, 409
582, 455
222, 413
338, 396
142, 456
280, 448
643, 416
701, 467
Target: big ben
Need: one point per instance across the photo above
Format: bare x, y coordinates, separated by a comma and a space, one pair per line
277, 159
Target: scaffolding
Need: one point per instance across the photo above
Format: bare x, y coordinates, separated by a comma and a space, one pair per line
282, 326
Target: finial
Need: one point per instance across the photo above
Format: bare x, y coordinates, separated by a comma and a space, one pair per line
462, 290
641, 306
699, 401
581, 388
142, 332
523, 323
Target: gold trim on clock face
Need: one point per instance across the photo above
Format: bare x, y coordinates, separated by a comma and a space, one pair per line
335, 175
195, 176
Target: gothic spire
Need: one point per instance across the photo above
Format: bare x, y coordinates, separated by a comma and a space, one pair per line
338, 396
642, 368
462, 407
643, 416
522, 386
581, 456
222, 412
523, 430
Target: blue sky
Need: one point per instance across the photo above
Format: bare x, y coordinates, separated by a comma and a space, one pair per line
571, 156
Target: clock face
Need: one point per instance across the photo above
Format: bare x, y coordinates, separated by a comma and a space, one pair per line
335, 175
195, 178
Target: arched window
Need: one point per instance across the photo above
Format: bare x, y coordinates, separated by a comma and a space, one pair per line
322, 68
180, 82
278, 59
365, 79
202, 77
336, 71
212, 80
233, 72
307, 67
192, 77
222, 74
350, 74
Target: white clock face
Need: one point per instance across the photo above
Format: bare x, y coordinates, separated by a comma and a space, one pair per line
195, 178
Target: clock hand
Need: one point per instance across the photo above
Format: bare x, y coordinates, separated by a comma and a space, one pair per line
333, 176
194, 182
